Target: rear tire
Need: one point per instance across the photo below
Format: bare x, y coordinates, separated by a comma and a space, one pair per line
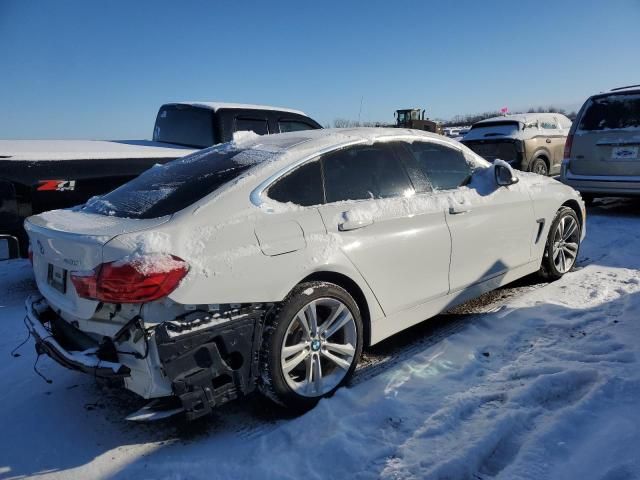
311, 345
563, 245
539, 166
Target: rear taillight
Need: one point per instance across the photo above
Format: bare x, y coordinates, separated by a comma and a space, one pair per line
567, 146
136, 280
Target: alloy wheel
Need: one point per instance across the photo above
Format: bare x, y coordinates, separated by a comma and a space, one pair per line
319, 347
566, 240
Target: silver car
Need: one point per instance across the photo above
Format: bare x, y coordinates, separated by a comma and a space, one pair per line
270, 262
602, 153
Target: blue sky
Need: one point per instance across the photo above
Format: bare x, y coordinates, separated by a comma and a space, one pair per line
100, 69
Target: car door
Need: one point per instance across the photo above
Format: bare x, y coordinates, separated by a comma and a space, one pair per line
492, 229
397, 240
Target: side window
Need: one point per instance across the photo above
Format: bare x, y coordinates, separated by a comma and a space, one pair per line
364, 172
302, 187
257, 125
445, 167
293, 126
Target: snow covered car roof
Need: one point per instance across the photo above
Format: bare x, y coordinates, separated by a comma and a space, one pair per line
88, 149
215, 106
299, 144
288, 150
334, 136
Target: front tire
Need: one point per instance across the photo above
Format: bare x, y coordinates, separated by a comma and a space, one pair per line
563, 245
311, 345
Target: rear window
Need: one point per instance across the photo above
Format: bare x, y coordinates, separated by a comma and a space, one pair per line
166, 189
494, 129
612, 112
184, 125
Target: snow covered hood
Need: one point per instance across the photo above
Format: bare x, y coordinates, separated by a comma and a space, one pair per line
88, 149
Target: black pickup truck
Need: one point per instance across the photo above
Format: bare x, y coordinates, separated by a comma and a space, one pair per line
40, 175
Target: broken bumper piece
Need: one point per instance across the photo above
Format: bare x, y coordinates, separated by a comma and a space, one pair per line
213, 365
88, 360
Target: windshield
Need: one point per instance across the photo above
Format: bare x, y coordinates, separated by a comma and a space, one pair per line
184, 125
494, 129
166, 189
612, 112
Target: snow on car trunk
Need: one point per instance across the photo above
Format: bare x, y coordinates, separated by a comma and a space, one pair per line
66, 241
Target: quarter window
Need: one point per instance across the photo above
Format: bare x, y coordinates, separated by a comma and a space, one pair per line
302, 187
256, 125
364, 172
445, 167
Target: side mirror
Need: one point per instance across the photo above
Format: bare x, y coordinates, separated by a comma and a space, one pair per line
504, 174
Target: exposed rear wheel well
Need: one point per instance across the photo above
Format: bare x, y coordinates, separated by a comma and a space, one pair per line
573, 205
354, 290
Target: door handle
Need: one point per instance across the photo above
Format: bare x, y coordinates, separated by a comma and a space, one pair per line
458, 209
353, 224
548, 140
350, 221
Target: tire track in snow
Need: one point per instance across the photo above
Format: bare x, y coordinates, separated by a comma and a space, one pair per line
544, 373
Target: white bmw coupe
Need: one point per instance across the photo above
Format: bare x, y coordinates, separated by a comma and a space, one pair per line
270, 262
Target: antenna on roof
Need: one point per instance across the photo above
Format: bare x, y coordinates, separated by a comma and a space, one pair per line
623, 88
360, 111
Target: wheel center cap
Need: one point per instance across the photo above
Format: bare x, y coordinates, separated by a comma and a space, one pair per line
315, 345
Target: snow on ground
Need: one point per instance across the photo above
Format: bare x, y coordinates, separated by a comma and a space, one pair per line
539, 381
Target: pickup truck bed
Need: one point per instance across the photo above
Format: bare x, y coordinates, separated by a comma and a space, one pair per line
40, 175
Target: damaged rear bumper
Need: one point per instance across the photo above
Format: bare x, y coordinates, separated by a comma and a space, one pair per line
211, 366
203, 367
87, 361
